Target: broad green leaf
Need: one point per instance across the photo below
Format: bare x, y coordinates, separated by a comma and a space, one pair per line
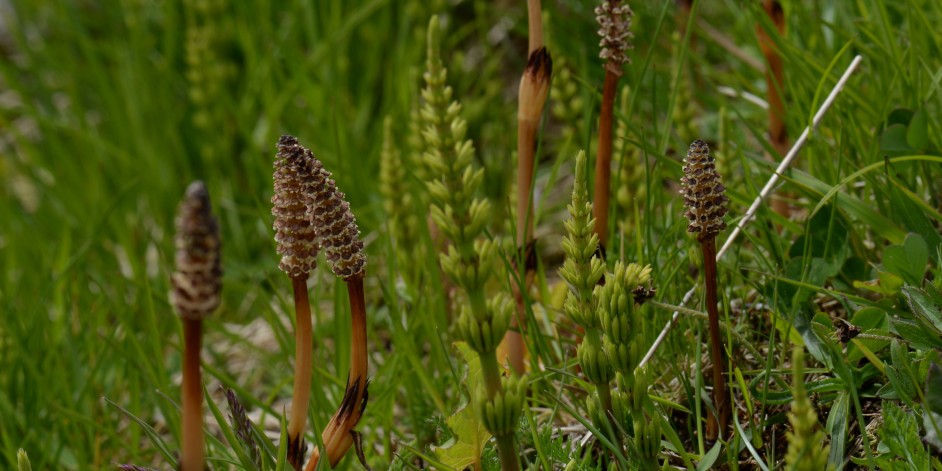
911, 212
917, 134
470, 436
909, 259
915, 333
893, 140
886, 284
710, 457
901, 116
869, 318
926, 305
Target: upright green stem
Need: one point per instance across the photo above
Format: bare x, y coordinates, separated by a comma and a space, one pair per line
509, 461
192, 459
605, 395
604, 389
303, 351
716, 426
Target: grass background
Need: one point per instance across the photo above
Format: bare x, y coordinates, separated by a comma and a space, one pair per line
108, 110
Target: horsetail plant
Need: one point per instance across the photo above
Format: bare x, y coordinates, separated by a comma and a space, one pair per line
805, 450
295, 239
626, 288
706, 203
312, 214
195, 294
614, 20
469, 260
338, 234
534, 87
582, 270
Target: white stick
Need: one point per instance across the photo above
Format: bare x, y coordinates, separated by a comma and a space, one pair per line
763, 195
732, 92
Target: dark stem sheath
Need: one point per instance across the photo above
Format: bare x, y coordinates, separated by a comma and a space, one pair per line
603, 162
302, 370
716, 426
192, 391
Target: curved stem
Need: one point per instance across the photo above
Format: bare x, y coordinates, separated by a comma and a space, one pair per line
338, 435
192, 391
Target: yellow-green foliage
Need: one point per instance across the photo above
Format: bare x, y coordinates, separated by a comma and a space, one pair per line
398, 199
448, 157
621, 317
207, 70
685, 107
581, 269
631, 188
806, 449
567, 105
22, 461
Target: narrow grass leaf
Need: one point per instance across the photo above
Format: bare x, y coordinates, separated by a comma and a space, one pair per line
837, 429
155, 437
235, 444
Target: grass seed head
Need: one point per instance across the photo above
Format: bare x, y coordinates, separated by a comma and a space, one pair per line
614, 18
196, 282
703, 192
294, 233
